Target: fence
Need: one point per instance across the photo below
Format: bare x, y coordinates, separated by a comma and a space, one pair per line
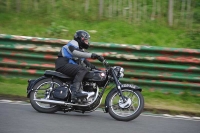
155, 68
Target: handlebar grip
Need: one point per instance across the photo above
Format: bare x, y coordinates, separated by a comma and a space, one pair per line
105, 63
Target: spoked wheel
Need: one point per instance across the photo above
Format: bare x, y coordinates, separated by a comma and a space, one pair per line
42, 90
126, 110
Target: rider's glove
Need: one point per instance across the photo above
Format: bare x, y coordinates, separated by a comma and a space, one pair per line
100, 58
95, 56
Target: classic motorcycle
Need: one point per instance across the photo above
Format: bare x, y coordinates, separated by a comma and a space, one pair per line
50, 93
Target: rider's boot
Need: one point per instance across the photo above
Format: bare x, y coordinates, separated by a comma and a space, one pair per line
76, 92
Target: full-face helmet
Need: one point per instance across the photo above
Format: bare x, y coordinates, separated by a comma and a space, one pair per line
82, 37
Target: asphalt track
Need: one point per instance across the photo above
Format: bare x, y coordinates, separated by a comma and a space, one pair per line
22, 118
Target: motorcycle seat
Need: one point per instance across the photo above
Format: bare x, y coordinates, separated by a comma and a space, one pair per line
55, 73
89, 75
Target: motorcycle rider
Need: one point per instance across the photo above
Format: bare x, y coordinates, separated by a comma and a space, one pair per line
71, 59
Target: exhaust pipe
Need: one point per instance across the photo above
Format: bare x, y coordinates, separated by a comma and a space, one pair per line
59, 102
50, 101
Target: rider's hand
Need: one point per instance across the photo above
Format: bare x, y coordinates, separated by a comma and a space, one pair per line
100, 58
95, 56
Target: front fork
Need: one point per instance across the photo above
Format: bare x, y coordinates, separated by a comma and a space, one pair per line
118, 86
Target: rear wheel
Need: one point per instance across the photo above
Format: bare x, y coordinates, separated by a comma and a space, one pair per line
41, 90
128, 110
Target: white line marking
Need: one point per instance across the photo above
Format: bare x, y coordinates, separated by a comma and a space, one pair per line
172, 117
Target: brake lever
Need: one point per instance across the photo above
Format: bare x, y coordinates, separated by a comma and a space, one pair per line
106, 63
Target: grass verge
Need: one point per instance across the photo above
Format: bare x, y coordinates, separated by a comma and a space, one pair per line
157, 102
151, 33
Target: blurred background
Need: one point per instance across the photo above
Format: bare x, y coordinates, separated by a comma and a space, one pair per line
170, 23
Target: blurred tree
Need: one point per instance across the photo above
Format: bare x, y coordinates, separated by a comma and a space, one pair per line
87, 5
170, 12
100, 8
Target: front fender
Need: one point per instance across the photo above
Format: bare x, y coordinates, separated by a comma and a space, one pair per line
31, 83
123, 86
133, 87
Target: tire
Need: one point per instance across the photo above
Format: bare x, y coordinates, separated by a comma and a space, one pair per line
115, 103
42, 107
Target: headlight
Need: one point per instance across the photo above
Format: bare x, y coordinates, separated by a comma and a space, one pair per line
119, 71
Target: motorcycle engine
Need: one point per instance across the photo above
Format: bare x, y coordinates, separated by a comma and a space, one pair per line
89, 86
91, 89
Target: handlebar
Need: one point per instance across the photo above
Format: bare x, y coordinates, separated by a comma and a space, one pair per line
105, 63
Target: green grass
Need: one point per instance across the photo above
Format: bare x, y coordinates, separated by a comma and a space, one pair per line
111, 31
13, 86
176, 102
154, 100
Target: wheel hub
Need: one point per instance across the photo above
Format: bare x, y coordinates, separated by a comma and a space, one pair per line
125, 104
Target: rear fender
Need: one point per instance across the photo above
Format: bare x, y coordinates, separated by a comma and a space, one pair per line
123, 86
31, 83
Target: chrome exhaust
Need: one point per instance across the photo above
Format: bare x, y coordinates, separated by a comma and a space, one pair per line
65, 103
59, 102
50, 101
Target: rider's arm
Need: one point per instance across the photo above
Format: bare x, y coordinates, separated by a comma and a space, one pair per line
72, 48
90, 65
78, 53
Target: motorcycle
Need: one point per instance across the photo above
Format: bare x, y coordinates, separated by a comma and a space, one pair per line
50, 93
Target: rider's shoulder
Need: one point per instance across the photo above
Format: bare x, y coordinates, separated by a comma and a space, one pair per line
73, 43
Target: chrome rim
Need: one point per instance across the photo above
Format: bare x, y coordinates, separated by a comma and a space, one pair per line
129, 108
43, 92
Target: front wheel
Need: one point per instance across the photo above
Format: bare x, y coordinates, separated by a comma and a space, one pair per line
126, 110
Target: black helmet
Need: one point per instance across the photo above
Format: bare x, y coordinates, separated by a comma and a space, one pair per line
82, 37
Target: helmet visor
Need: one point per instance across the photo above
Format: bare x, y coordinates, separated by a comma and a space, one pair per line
86, 40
